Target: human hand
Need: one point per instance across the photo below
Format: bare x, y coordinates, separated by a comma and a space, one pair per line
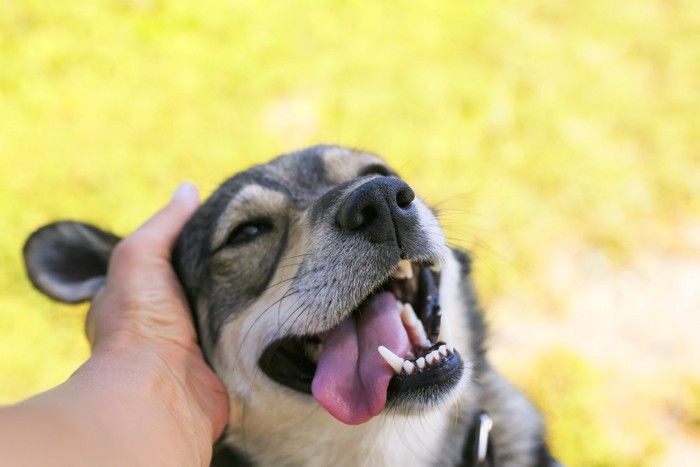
142, 334
146, 396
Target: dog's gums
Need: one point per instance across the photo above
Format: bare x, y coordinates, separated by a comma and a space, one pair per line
427, 362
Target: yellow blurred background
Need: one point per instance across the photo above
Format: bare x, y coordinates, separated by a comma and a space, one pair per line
560, 141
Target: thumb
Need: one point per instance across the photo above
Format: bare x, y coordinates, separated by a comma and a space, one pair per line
159, 233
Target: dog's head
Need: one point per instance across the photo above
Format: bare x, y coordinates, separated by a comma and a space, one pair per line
319, 275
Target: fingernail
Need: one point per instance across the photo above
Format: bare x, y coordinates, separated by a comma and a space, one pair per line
185, 191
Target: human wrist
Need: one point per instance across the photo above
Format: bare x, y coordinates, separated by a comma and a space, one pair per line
139, 396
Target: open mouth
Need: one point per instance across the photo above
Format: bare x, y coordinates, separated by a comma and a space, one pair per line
394, 344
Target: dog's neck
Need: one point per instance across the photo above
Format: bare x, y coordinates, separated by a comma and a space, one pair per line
277, 437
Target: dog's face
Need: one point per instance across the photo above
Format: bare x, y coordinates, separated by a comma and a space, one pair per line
318, 275
317, 278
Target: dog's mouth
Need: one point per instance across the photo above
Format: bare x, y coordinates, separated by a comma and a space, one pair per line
394, 347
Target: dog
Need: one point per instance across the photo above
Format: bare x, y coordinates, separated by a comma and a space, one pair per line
344, 328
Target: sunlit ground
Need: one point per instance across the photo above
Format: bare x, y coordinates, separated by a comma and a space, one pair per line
560, 141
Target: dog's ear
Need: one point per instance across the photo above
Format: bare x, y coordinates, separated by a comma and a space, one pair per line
68, 260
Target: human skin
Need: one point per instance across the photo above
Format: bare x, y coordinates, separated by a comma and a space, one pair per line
145, 396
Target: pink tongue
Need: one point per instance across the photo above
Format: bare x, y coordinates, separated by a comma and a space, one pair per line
351, 377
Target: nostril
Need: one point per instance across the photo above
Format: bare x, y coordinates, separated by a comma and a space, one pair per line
369, 215
404, 197
357, 216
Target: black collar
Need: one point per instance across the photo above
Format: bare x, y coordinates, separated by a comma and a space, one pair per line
479, 450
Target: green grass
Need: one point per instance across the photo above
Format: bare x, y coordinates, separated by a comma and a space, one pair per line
532, 124
571, 394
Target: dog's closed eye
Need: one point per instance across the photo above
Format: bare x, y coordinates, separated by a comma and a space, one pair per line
248, 232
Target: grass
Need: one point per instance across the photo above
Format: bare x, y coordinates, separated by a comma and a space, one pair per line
571, 394
532, 123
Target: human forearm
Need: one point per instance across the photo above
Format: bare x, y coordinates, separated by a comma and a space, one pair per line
112, 411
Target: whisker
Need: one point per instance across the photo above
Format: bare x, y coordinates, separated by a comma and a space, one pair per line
287, 294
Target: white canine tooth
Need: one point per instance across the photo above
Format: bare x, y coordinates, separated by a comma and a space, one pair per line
442, 350
394, 361
408, 366
450, 347
408, 315
420, 363
445, 335
412, 323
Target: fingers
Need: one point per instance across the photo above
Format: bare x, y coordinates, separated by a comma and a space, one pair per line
158, 234
140, 275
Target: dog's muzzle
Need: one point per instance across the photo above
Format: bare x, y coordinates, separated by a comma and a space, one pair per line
394, 347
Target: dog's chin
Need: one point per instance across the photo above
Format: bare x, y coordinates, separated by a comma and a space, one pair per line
426, 375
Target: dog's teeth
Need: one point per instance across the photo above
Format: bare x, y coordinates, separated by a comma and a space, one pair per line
408, 366
420, 363
445, 331
406, 268
450, 347
432, 358
442, 350
408, 315
398, 274
414, 326
394, 361
403, 270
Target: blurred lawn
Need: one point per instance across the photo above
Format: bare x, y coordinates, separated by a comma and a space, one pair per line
531, 123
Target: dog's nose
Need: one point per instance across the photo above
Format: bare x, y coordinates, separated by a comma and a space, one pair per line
380, 210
